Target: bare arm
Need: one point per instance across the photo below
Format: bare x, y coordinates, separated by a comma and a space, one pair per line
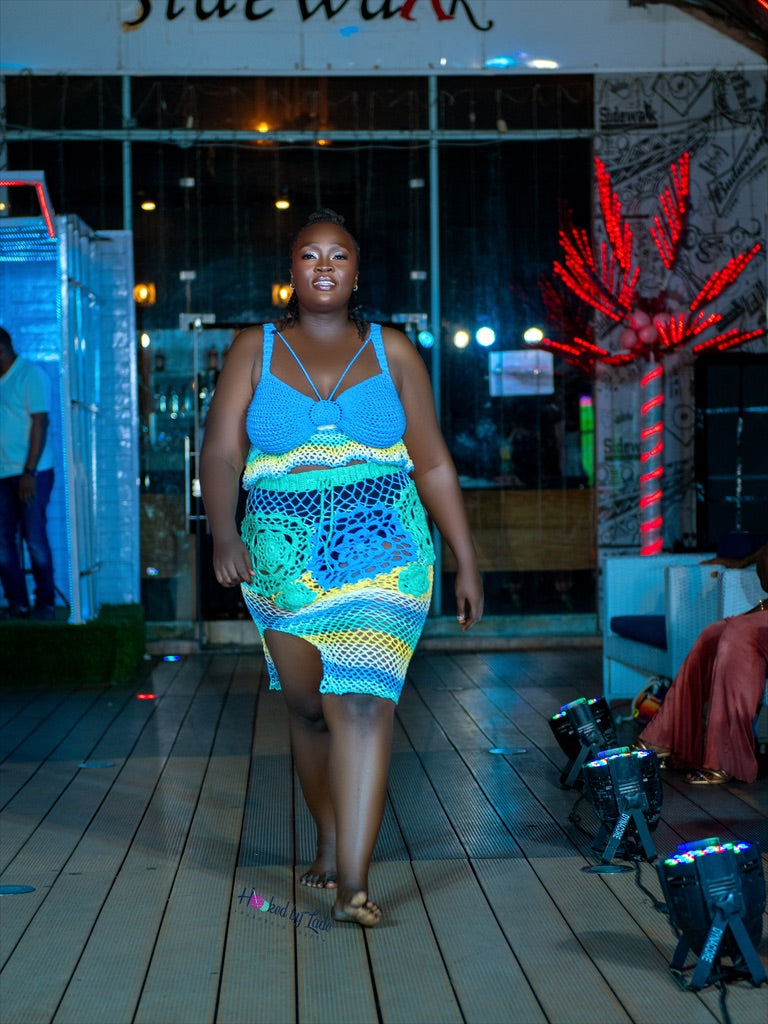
434, 472
223, 454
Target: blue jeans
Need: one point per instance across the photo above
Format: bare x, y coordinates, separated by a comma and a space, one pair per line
31, 520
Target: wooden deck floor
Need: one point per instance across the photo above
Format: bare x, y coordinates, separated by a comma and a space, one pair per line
150, 831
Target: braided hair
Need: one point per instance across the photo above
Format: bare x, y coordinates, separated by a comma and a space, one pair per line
355, 310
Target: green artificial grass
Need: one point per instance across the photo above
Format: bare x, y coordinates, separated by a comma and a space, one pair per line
109, 649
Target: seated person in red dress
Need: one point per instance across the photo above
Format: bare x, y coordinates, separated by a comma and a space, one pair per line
705, 721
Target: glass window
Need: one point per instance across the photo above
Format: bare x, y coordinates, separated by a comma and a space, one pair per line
521, 101
280, 104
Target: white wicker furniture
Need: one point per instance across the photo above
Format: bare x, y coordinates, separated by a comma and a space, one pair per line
676, 586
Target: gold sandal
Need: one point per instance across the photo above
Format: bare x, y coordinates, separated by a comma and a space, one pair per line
662, 753
708, 777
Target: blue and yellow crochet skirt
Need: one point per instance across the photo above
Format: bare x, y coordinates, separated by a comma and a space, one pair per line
343, 558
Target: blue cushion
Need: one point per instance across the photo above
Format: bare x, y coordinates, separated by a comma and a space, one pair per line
646, 629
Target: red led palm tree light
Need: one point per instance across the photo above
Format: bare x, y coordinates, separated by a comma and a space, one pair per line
604, 280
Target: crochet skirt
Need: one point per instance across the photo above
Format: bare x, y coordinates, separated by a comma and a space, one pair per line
343, 559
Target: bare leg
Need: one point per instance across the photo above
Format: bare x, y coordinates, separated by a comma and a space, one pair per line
300, 670
361, 744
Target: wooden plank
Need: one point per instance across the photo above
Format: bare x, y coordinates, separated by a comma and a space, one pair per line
630, 963
484, 971
320, 966
59, 793
22, 711
183, 979
112, 845
21, 759
482, 832
562, 975
745, 1002
143, 884
427, 830
258, 980
406, 960
109, 822
144, 871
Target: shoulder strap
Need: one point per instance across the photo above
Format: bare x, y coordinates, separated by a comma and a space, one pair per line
378, 347
266, 351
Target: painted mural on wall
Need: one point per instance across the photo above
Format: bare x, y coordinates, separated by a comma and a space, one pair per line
645, 122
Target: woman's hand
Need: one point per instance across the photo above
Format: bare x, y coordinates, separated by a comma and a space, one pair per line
469, 597
232, 562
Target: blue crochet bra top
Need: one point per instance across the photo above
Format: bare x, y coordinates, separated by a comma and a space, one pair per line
287, 428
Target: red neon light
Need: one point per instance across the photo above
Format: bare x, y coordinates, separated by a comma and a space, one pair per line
42, 199
651, 404
720, 279
656, 450
652, 474
727, 340
650, 499
651, 549
652, 524
654, 373
649, 431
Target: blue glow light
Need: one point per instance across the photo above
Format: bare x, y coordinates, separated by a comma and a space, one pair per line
426, 339
171, 657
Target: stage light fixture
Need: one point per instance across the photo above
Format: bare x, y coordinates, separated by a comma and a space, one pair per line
624, 787
461, 339
582, 728
715, 893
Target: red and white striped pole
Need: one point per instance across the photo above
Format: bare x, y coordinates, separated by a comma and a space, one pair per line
651, 458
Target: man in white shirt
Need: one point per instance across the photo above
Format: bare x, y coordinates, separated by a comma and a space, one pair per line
26, 482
